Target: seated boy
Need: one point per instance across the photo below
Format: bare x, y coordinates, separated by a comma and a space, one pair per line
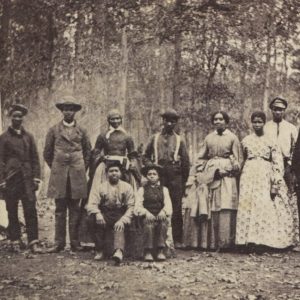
110, 207
154, 203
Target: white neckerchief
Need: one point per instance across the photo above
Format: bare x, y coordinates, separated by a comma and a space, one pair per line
111, 130
72, 124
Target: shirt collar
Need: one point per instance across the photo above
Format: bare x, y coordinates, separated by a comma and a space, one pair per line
225, 132
112, 129
72, 124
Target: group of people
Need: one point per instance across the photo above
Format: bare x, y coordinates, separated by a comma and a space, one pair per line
235, 194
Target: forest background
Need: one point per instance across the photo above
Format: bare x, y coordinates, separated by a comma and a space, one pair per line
143, 56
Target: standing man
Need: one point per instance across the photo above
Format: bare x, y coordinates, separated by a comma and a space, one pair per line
167, 149
285, 134
20, 178
67, 152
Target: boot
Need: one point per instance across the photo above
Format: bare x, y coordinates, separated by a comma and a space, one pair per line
118, 256
160, 255
99, 255
35, 249
148, 256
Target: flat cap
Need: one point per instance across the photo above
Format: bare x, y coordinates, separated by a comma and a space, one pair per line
278, 102
68, 101
170, 113
18, 107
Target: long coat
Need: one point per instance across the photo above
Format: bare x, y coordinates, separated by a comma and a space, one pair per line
67, 152
18, 155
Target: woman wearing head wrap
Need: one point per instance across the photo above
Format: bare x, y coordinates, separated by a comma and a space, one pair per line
114, 144
265, 216
212, 194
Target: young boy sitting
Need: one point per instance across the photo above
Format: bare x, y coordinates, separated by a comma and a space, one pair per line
154, 203
110, 207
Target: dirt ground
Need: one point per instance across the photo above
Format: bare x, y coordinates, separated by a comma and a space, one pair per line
191, 275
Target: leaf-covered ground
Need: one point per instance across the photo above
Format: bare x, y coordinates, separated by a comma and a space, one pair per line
191, 275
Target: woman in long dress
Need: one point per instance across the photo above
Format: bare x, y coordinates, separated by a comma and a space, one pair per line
212, 195
265, 216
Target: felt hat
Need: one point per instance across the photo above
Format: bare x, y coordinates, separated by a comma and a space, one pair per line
68, 101
170, 113
109, 163
151, 166
18, 107
278, 102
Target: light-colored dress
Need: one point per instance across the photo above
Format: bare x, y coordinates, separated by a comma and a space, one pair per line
211, 203
260, 220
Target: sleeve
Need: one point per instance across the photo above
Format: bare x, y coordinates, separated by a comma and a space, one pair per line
49, 147
86, 149
35, 161
296, 158
139, 208
96, 153
129, 144
277, 166
185, 161
294, 138
130, 206
147, 157
2, 163
94, 199
237, 151
167, 201
201, 157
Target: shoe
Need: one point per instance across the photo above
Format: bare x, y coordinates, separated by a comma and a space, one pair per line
118, 256
148, 257
15, 247
55, 249
161, 256
99, 255
178, 245
76, 248
36, 249
296, 249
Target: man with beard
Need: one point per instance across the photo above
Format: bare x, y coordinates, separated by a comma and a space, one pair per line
167, 149
67, 152
20, 178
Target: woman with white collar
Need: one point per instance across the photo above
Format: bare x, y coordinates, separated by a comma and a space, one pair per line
212, 193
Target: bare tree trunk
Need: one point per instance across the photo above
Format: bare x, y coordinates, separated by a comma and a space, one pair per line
177, 56
268, 75
123, 72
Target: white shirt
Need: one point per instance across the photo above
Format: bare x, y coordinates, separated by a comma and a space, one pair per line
284, 134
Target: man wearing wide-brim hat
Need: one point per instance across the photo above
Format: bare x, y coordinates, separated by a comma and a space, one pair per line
168, 149
20, 178
67, 152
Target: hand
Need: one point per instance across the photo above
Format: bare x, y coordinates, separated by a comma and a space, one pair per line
100, 220
3, 186
162, 215
36, 184
119, 226
149, 217
273, 193
223, 173
235, 166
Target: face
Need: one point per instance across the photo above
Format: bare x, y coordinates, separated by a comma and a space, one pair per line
16, 119
152, 176
115, 121
114, 174
258, 124
169, 124
69, 114
278, 113
219, 121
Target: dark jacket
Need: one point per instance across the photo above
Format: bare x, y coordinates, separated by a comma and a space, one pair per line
67, 153
18, 155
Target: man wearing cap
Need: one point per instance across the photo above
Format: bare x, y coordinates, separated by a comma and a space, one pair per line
20, 178
167, 149
284, 134
67, 152
110, 208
